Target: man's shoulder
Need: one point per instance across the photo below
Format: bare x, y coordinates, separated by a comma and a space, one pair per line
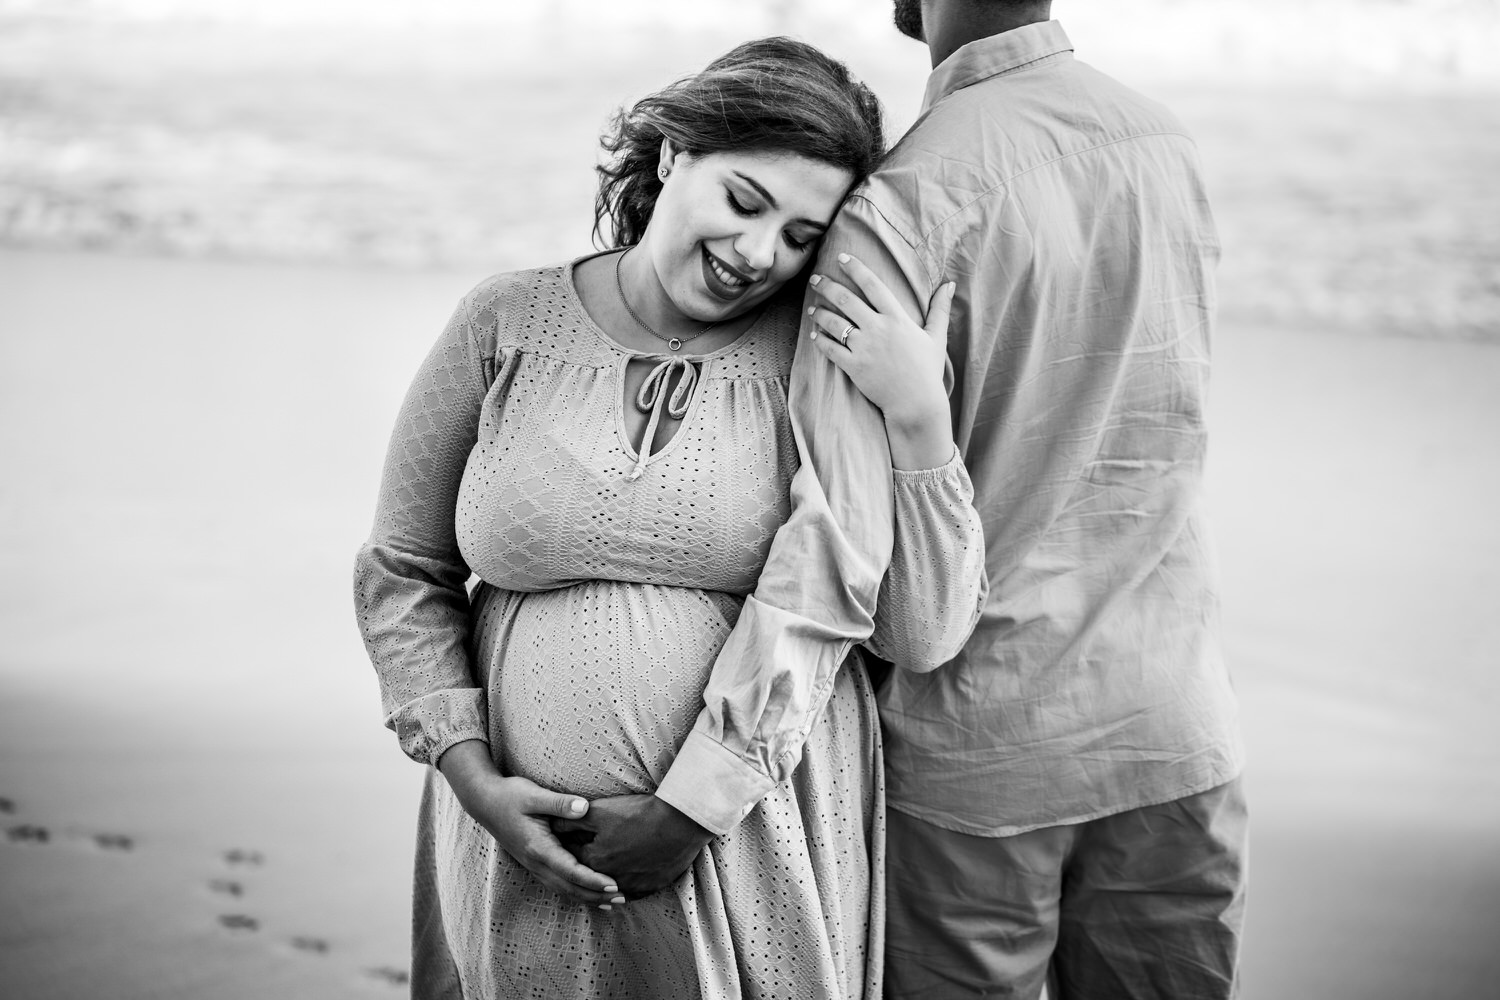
1123, 106
936, 169
1008, 119
974, 144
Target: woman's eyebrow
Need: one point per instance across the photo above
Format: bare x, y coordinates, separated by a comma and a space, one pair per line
759, 187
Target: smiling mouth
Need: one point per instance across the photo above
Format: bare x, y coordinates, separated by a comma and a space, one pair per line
727, 283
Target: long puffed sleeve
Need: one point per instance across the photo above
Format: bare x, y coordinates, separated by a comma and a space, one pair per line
817, 595
932, 595
409, 577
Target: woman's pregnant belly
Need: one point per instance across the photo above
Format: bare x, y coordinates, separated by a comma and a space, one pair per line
594, 687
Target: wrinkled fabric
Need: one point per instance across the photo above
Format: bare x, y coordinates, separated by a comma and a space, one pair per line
1072, 215
1140, 905
606, 584
908, 540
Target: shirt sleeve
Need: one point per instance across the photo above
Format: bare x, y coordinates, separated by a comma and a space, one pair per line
816, 596
409, 577
932, 595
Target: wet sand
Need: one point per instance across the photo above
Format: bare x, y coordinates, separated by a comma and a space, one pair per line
1351, 478
199, 799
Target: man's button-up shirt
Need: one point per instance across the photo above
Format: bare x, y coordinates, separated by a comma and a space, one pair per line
1072, 213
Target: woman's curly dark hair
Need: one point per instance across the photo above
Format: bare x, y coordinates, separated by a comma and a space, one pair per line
772, 95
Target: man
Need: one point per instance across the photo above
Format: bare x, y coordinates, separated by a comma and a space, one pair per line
1064, 794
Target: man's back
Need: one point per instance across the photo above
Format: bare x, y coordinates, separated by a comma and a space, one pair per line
1071, 212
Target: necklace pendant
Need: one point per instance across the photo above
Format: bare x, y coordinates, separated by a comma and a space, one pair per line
675, 344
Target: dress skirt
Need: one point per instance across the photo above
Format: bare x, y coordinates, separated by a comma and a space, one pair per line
591, 689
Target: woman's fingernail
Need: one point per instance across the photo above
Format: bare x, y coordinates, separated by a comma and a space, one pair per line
611, 888
952, 286
578, 805
812, 334
618, 899
815, 279
843, 258
605, 906
811, 310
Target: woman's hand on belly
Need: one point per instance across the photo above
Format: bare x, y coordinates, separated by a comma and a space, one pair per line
645, 843
516, 812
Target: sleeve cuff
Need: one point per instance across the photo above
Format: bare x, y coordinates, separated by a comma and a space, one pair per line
951, 472
428, 726
712, 785
451, 740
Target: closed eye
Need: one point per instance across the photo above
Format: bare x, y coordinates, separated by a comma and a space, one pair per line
750, 211
739, 208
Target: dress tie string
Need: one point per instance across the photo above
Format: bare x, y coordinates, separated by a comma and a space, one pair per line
651, 397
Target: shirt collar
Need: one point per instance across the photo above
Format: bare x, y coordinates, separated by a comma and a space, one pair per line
994, 55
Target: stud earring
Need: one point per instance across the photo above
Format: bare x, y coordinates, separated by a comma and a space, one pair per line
664, 171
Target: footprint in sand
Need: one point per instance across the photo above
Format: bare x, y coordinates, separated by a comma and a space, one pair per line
239, 922
226, 887
311, 945
239, 857
307, 944
114, 842
28, 833
32, 833
389, 975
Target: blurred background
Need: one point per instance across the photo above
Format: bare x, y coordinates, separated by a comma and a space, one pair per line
229, 230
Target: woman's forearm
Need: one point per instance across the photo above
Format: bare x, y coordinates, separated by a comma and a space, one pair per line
920, 435
465, 765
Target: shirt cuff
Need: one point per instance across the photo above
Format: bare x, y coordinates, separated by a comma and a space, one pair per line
939, 474
712, 785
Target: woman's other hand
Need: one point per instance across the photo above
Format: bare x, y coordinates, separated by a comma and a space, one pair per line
897, 364
643, 840
516, 812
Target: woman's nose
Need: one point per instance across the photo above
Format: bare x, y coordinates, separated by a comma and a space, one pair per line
757, 246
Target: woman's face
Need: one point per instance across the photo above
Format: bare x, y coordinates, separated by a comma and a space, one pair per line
729, 229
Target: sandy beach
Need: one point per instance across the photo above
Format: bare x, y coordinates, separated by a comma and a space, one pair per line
189, 721
181, 667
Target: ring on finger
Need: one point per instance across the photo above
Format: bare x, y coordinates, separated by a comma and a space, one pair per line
844, 337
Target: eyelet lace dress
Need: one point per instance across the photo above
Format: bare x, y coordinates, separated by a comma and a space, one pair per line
607, 580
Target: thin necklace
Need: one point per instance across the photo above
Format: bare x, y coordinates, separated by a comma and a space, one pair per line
675, 343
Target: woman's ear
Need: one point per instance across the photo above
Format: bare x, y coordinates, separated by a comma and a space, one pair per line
668, 160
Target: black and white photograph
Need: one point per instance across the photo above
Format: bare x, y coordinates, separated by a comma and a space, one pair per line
749, 499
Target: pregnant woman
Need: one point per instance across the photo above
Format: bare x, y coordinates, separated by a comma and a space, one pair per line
605, 445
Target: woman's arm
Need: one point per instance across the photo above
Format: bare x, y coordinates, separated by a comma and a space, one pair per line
898, 365
935, 587
409, 576
932, 594
818, 590
413, 608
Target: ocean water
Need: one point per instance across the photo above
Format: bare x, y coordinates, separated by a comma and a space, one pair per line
1359, 201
